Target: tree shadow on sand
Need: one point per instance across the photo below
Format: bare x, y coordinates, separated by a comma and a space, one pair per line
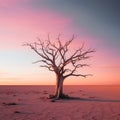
89, 99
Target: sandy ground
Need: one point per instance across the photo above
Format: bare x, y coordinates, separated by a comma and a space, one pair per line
30, 103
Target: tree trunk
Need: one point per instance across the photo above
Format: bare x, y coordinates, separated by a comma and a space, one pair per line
59, 88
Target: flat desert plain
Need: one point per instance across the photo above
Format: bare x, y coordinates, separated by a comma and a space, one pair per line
31, 103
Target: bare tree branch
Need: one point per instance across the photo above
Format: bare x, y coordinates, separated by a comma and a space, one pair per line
49, 67
54, 56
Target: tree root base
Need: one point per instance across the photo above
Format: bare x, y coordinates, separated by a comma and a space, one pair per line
55, 97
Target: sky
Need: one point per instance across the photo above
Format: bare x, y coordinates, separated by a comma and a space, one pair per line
94, 22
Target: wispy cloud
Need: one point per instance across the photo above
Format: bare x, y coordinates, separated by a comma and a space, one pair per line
20, 24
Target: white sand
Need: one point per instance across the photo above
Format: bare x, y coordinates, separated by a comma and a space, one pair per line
96, 103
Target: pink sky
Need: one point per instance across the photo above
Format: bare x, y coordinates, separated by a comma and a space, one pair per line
21, 23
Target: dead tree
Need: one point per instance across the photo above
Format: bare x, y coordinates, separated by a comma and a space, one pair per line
56, 57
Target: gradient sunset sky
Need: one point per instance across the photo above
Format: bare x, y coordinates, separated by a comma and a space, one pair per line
95, 22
